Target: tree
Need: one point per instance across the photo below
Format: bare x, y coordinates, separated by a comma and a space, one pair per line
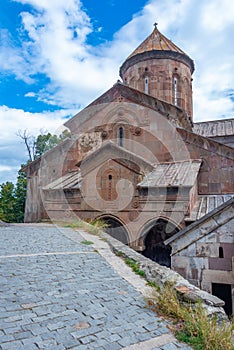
29, 141
7, 201
45, 142
12, 198
20, 196
36, 146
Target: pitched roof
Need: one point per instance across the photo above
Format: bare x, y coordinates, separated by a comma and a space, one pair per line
214, 128
109, 150
206, 143
120, 92
177, 174
218, 220
205, 204
71, 180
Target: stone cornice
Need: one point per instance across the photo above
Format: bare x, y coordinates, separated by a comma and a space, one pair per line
156, 54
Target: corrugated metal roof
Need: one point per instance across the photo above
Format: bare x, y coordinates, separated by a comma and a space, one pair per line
181, 174
215, 128
71, 180
205, 204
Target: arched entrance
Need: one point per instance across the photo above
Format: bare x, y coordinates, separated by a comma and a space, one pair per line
155, 249
116, 229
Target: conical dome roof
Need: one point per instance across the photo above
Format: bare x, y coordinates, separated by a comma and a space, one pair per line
156, 41
156, 45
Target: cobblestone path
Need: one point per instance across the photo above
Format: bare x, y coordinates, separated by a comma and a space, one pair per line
58, 293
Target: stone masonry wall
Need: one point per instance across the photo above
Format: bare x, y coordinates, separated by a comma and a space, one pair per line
162, 275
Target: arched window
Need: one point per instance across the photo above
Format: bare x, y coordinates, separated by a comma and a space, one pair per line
120, 136
221, 252
175, 82
146, 85
109, 189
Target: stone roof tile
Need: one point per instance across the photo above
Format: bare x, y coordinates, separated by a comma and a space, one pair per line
214, 128
156, 41
175, 174
205, 204
71, 180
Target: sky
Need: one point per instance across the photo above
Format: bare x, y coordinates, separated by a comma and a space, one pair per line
57, 56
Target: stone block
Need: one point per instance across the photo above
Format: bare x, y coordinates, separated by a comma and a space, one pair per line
207, 249
220, 264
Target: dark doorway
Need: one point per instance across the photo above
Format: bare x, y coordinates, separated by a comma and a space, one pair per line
155, 249
224, 292
116, 230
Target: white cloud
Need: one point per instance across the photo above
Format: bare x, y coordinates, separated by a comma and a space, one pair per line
58, 48
30, 94
14, 119
5, 168
11, 58
12, 148
217, 15
79, 73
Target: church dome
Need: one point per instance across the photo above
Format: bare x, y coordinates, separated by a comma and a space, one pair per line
161, 69
158, 46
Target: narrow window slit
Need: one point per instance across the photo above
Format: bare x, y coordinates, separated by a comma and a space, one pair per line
120, 136
221, 252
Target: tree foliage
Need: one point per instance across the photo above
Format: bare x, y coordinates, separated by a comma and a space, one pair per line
12, 197
36, 146
7, 202
20, 196
45, 142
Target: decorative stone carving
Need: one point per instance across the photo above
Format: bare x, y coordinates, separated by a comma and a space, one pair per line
104, 134
137, 131
135, 203
89, 141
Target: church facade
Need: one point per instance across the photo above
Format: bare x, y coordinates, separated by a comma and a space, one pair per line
137, 160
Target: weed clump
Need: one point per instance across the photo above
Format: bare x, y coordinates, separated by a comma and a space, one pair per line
192, 324
87, 242
135, 267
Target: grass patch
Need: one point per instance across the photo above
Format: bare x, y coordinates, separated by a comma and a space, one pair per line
154, 285
87, 242
104, 239
119, 253
135, 267
192, 324
94, 227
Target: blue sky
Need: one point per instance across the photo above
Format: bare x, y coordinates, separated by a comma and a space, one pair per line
57, 56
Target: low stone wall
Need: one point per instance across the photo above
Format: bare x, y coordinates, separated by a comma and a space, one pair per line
162, 275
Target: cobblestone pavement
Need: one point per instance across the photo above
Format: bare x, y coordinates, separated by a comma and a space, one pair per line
58, 293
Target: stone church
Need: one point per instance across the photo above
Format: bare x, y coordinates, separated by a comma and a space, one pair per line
137, 160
